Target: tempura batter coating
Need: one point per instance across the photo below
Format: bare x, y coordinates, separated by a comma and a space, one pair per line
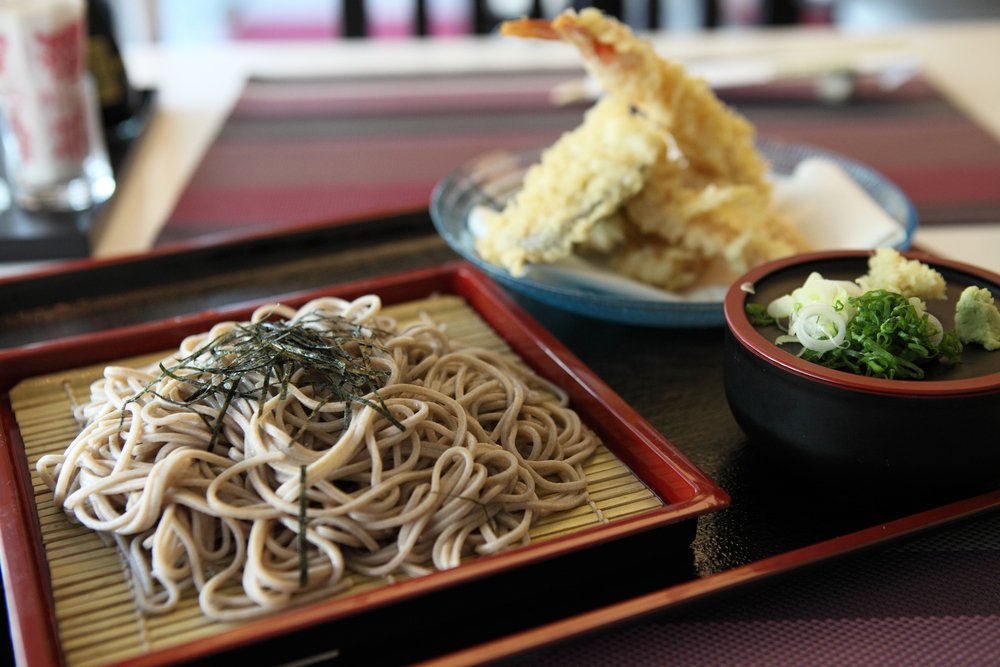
713, 138
650, 259
582, 179
718, 219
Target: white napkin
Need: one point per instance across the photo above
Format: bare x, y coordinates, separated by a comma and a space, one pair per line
832, 210
828, 206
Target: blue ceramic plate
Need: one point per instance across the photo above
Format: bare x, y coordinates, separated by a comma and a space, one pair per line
493, 178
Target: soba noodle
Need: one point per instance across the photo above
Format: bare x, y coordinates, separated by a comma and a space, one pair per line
273, 491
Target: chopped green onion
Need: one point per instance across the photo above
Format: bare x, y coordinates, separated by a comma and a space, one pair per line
888, 338
757, 314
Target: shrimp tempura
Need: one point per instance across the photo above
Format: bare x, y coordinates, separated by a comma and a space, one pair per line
713, 138
662, 178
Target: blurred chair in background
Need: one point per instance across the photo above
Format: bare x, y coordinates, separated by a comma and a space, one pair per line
185, 21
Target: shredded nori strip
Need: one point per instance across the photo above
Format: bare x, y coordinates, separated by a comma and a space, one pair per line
303, 527
335, 354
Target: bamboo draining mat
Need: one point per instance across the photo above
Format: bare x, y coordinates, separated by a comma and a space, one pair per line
98, 622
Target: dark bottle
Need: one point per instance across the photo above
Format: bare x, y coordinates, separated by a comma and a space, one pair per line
117, 98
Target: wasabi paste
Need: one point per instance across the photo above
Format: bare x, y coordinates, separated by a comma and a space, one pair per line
977, 319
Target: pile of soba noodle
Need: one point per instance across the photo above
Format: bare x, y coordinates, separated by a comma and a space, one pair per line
266, 489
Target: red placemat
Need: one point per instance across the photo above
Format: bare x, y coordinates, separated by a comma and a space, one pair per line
305, 151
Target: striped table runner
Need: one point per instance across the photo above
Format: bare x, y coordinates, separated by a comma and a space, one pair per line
307, 151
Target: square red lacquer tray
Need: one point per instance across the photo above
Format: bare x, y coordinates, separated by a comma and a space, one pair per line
684, 490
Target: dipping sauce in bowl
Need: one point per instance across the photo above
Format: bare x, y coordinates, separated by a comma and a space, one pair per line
943, 429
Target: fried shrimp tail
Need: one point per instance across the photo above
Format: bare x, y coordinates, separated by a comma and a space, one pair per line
560, 29
530, 28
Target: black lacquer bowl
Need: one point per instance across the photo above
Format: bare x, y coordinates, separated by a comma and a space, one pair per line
942, 430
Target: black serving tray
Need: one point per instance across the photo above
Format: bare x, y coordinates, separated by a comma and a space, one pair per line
778, 521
